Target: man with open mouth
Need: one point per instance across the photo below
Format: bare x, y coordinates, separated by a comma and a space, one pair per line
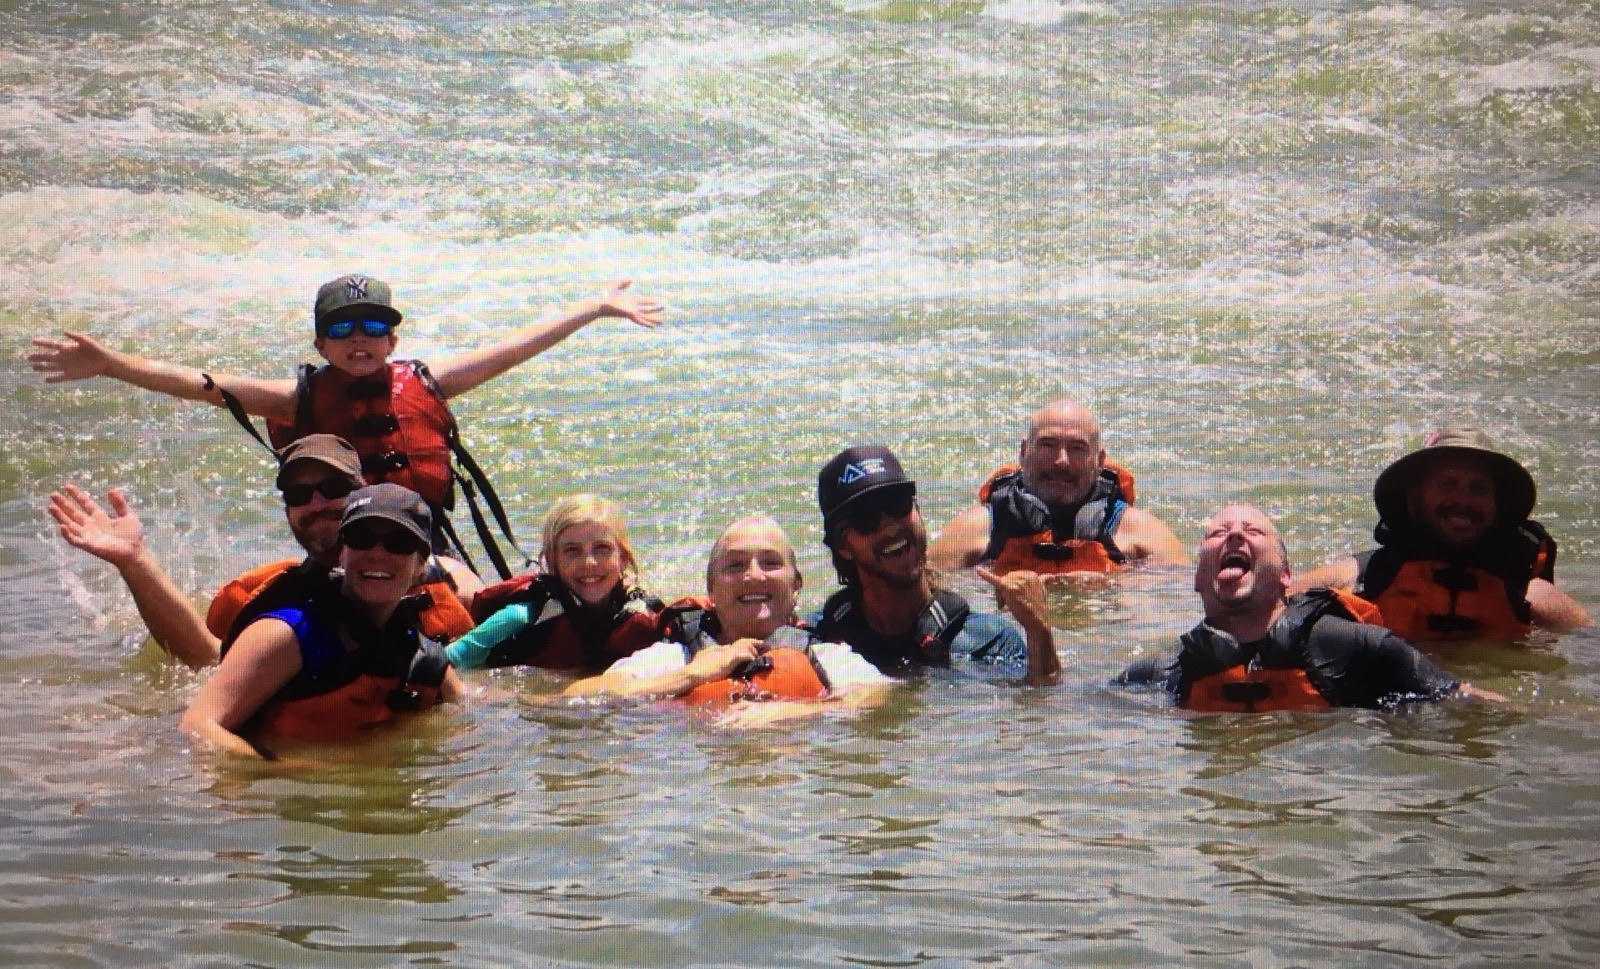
1260, 649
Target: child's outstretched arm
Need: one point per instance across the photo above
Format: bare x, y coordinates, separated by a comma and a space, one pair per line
464, 371
78, 356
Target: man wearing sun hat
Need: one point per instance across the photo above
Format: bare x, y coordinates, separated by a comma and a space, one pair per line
1458, 558
889, 610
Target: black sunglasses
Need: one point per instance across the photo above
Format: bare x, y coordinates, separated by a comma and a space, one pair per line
331, 488
866, 514
363, 538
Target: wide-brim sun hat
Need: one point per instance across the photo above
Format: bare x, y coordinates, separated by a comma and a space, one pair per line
1514, 489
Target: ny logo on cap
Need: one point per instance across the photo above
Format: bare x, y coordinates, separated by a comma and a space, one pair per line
356, 287
857, 471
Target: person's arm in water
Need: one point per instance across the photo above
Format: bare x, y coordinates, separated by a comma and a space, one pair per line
464, 371
712, 663
118, 538
1553, 609
78, 356
1143, 537
264, 658
451, 689
853, 685
1022, 592
769, 713
1339, 574
960, 545
466, 582
1381, 666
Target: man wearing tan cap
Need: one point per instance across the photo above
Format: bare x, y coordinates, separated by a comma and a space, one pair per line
1458, 558
315, 474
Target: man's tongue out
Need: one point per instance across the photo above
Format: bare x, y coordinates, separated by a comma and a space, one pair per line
1233, 567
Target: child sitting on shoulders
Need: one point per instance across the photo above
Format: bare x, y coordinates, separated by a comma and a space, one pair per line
393, 411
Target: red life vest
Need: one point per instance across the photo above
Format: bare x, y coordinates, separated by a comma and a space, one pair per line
1427, 599
442, 617
561, 633
785, 670
1022, 533
401, 426
1249, 688
344, 711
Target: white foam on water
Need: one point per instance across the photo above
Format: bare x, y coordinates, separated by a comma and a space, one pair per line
1550, 68
1038, 13
731, 47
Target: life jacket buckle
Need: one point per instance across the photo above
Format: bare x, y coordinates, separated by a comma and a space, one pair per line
368, 388
388, 461
1247, 692
1449, 622
375, 425
403, 699
1054, 551
750, 668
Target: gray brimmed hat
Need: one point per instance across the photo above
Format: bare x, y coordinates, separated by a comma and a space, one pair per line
392, 503
353, 297
1514, 490
852, 474
329, 449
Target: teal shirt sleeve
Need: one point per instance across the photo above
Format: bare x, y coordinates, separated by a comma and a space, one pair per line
472, 650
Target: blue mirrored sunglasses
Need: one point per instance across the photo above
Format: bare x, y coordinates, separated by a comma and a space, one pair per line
345, 328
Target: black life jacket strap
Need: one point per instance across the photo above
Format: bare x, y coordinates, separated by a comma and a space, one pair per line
454, 539
237, 410
466, 462
484, 535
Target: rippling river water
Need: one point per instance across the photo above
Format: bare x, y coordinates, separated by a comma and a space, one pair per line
1270, 243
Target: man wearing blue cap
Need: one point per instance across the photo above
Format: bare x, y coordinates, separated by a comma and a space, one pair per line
889, 609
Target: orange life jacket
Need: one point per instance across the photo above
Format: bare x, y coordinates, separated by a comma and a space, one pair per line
401, 426
442, 616
1238, 689
1023, 535
784, 670
1253, 686
1425, 598
350, 680
779, 673
237, 592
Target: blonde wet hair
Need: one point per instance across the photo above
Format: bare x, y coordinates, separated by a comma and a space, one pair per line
584, 509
